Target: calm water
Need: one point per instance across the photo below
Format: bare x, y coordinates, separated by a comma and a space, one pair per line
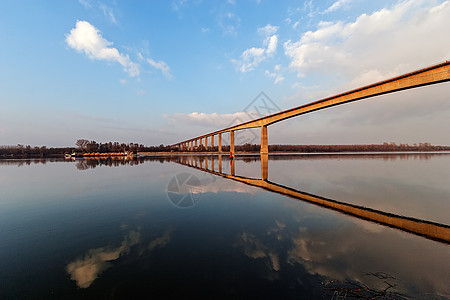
162, 228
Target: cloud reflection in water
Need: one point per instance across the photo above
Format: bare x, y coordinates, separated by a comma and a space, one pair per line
84, 271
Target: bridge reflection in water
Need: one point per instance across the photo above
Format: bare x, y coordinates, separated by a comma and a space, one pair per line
424, 228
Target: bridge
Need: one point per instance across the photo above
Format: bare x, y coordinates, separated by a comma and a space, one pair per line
427, 76
431, 230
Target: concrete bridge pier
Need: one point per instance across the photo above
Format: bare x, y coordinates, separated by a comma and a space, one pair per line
264, 142
232, 142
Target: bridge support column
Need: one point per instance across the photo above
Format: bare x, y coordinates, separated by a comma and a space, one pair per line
206, 143
264, 142
264, 166
212, 143
196, 143
220, 143
232, 142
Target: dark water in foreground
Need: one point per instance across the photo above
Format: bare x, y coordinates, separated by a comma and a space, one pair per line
160, 228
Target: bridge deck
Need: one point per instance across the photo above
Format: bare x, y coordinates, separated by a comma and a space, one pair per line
427, 76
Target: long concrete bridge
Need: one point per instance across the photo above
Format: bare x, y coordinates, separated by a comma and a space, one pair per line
427, 76
431, 230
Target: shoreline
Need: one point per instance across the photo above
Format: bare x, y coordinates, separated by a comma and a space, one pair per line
144, 154
256, 153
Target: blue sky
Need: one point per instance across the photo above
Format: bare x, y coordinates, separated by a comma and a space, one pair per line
157, 72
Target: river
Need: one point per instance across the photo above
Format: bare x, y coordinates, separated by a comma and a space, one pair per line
179, 226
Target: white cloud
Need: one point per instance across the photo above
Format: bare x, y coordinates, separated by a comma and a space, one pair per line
177, 5
410, 35
229, 23
87, 39
336, 5
252, 57
276, 74
85, 3
108, 12
211, 120
271, 44
268, 30
162, 66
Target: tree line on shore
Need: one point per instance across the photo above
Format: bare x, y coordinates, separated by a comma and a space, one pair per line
86, 146
82, 146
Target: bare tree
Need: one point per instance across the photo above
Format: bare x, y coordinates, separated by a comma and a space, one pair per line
82, 143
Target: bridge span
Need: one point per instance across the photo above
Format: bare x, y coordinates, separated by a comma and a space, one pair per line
427, 76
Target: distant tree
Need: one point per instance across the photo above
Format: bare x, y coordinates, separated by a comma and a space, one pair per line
92, 146
82, 144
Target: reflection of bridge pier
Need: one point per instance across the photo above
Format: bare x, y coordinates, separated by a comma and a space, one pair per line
264, 166
431, 230
232, 167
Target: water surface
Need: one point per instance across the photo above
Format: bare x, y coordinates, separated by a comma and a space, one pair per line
163, 227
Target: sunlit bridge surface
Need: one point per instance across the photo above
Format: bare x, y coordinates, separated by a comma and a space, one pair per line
271, 227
